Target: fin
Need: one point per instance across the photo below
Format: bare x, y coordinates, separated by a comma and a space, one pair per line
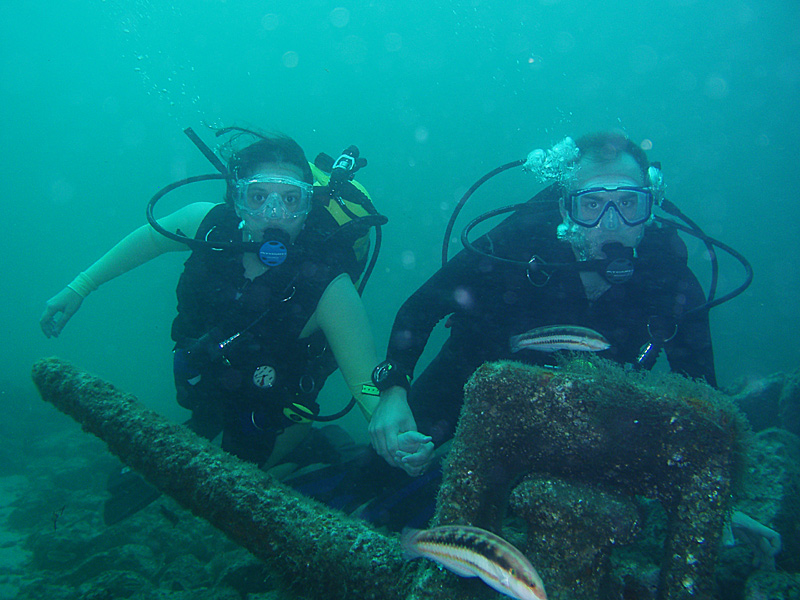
408, 537
409, 502
367, 488
129, 494
333, 485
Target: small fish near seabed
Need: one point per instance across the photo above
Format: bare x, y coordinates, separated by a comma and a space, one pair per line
474, 552
560, 337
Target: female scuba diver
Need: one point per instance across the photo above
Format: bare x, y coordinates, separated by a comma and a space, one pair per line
253, 326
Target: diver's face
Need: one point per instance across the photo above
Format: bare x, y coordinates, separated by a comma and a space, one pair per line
277, 215
622, 172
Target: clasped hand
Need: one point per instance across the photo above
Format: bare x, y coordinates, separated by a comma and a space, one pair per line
393, 433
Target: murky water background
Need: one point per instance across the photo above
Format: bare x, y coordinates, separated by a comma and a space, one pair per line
95, 96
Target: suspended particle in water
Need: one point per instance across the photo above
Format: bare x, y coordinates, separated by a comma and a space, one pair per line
393, 42
408, 259
290, 59
270, 21
340, 16
716, 87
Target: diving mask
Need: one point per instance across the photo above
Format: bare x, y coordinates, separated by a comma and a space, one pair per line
273, 197
633, 205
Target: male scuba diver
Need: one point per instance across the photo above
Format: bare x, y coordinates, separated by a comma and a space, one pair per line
586, 252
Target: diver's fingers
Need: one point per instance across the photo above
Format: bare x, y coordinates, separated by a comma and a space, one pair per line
412, 468
412, 471
410, 441
58, 311
47, 321
62, 321
774, 543
52, 320
385, 445
378, 442
764, 556
415, 463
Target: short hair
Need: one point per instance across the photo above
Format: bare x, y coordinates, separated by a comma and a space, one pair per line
607, 146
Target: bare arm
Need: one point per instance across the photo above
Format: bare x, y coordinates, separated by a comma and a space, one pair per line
342, 318
765, 542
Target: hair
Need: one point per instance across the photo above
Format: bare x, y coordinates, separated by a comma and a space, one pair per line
607, 146
601, 147
278, 149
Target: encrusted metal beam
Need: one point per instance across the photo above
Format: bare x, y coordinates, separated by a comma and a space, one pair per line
315, 551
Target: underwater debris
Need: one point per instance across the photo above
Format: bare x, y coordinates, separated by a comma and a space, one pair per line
586, 424
320, 552
600, 427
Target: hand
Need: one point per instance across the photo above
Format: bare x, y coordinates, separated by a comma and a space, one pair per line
58, 311
765, 542
414, 453
393, 433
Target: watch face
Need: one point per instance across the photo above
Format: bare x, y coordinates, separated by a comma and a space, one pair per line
382, 374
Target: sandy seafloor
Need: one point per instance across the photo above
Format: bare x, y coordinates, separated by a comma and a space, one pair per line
54, 544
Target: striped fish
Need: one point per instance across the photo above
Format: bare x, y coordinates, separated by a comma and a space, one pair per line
474, 552
559, 337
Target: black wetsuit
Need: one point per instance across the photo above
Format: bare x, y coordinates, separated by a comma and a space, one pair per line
489, 301
244, 390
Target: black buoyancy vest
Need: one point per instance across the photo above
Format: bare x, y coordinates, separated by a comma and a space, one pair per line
269, 312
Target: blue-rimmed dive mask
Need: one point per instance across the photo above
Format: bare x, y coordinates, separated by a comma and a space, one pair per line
632, 205
273, 197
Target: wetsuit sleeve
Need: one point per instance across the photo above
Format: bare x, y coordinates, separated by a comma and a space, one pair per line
145, 243
433, 301
690, 352
460, 282
342, 318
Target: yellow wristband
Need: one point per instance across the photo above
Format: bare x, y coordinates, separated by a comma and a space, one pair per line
369, 390
83, 285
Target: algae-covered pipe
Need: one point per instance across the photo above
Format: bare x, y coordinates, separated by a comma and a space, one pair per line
317, 552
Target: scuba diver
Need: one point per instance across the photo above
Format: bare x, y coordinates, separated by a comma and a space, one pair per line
585, 264
586, 255
266, 296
